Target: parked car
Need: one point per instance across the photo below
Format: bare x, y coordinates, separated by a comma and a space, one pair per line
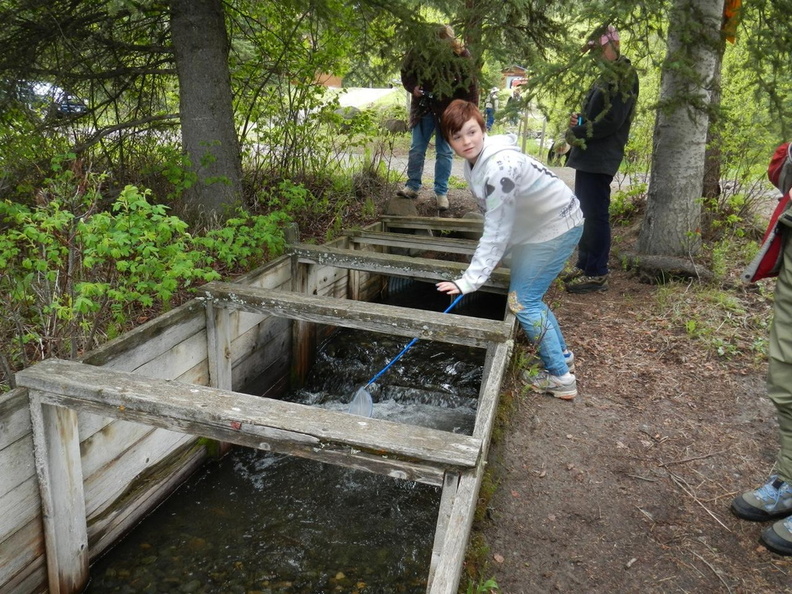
50, 100
68, 106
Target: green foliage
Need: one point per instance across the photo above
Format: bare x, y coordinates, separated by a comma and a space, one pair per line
488, 586
724, 324
245, 240
75, 271
626, 203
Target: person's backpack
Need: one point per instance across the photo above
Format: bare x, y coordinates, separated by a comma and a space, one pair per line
767, 262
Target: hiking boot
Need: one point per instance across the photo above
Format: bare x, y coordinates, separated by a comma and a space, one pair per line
550, 384
778, 537
406, 192
587, 284
570, 276
442, 201
770, 501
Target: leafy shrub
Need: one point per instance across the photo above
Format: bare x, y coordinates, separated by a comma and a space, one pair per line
74, 272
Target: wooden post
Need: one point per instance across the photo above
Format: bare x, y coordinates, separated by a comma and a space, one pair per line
218, 342
218, 353
59, 469
303, 333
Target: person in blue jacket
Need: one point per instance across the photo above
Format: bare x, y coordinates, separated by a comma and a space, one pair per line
597, 136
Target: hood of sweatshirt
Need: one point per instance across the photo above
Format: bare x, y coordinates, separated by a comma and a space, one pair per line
494, 145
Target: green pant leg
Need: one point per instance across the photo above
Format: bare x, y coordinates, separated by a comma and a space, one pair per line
779, 377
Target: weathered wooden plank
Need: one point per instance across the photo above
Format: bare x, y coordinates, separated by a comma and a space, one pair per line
447, 498
303, 340
433, 223
450, 555
20, 555
105, 486
272, 275
16, 463
389, 319
19, 506
31, 580
449, 565
448, 245
197, 374
109, 442
495, 367
262, 350
150, 340
218, 349
57, 453
104, 529
14, 417
395, 265
248, 420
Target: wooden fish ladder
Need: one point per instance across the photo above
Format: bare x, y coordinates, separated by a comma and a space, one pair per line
58, 389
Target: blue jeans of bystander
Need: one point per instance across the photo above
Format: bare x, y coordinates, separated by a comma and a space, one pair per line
534, 267
421, 136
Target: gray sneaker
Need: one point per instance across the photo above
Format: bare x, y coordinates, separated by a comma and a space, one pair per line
406, 192
778, 537
442, 201
550, 384
771, 500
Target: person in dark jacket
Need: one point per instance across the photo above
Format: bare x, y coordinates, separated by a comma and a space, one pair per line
598, 136
434, 75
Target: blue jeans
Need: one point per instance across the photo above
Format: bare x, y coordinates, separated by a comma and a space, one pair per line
421, 135
534, 267
490, 117
593, 190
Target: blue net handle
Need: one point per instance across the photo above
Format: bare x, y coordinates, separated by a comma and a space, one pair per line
409, 346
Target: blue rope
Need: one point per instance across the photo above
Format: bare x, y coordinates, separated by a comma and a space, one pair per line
409, 345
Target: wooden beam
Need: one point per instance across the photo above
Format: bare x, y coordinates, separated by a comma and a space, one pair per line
426, 269
384, 447
376, 317
447, 245
433, 223
449, 553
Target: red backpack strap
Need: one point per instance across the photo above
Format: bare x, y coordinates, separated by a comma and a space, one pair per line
779, 171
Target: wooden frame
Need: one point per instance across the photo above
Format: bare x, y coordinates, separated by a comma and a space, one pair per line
109, 387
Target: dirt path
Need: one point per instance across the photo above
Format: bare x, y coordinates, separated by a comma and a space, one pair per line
627, 489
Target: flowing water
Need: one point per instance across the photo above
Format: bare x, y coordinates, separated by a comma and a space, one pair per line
263, 523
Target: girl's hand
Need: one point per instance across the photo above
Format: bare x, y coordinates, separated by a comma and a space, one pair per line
448, 287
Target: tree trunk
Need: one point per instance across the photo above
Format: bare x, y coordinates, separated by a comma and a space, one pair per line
673, 214
201, 47
712, 156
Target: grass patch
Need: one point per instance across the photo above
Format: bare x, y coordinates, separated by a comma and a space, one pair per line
724, 323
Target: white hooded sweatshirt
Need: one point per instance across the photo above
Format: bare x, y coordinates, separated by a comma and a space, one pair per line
522, 201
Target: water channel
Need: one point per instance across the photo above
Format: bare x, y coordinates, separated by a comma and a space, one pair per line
262, 523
